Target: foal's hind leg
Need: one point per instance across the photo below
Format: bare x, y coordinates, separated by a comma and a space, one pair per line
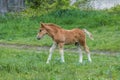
88, 53
51, 51
79, 51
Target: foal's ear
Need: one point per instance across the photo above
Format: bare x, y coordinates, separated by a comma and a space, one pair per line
42, 24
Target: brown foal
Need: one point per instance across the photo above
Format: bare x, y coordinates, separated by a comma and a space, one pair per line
61, 37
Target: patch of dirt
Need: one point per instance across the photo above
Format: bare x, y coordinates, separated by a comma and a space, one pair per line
38, 48
23, 46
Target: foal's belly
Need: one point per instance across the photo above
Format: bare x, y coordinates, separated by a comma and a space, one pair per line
70, 41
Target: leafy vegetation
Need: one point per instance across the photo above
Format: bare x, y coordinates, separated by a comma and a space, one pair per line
53, 4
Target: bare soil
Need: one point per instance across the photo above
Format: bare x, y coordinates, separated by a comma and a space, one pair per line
38, 48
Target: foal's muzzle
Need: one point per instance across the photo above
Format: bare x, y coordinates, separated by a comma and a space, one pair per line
38, 38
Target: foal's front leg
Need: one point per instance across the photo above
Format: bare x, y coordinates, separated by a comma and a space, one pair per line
61, 45
51, 52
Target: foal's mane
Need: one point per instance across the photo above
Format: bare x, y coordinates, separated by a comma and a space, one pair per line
53, 25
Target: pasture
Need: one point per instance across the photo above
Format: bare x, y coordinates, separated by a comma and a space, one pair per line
27, 64
19, 29
30, 64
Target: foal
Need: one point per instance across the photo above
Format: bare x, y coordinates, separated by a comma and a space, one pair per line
61, 37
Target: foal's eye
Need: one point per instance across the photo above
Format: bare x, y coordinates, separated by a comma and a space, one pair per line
40, 30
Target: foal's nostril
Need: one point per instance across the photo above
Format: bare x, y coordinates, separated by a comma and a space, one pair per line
38, 38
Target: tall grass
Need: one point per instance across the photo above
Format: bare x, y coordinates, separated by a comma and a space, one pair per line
103, 24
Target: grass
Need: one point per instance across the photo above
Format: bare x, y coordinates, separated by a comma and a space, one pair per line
24, 64
17, 29
28, 64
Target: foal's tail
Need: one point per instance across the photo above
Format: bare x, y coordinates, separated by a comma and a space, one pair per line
89, 34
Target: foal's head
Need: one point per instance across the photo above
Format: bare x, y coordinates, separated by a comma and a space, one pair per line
42, 31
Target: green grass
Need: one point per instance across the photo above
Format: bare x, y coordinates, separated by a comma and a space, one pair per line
29, 64
104, 25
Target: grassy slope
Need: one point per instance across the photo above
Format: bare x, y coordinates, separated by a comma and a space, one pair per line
104, 26
30, 65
